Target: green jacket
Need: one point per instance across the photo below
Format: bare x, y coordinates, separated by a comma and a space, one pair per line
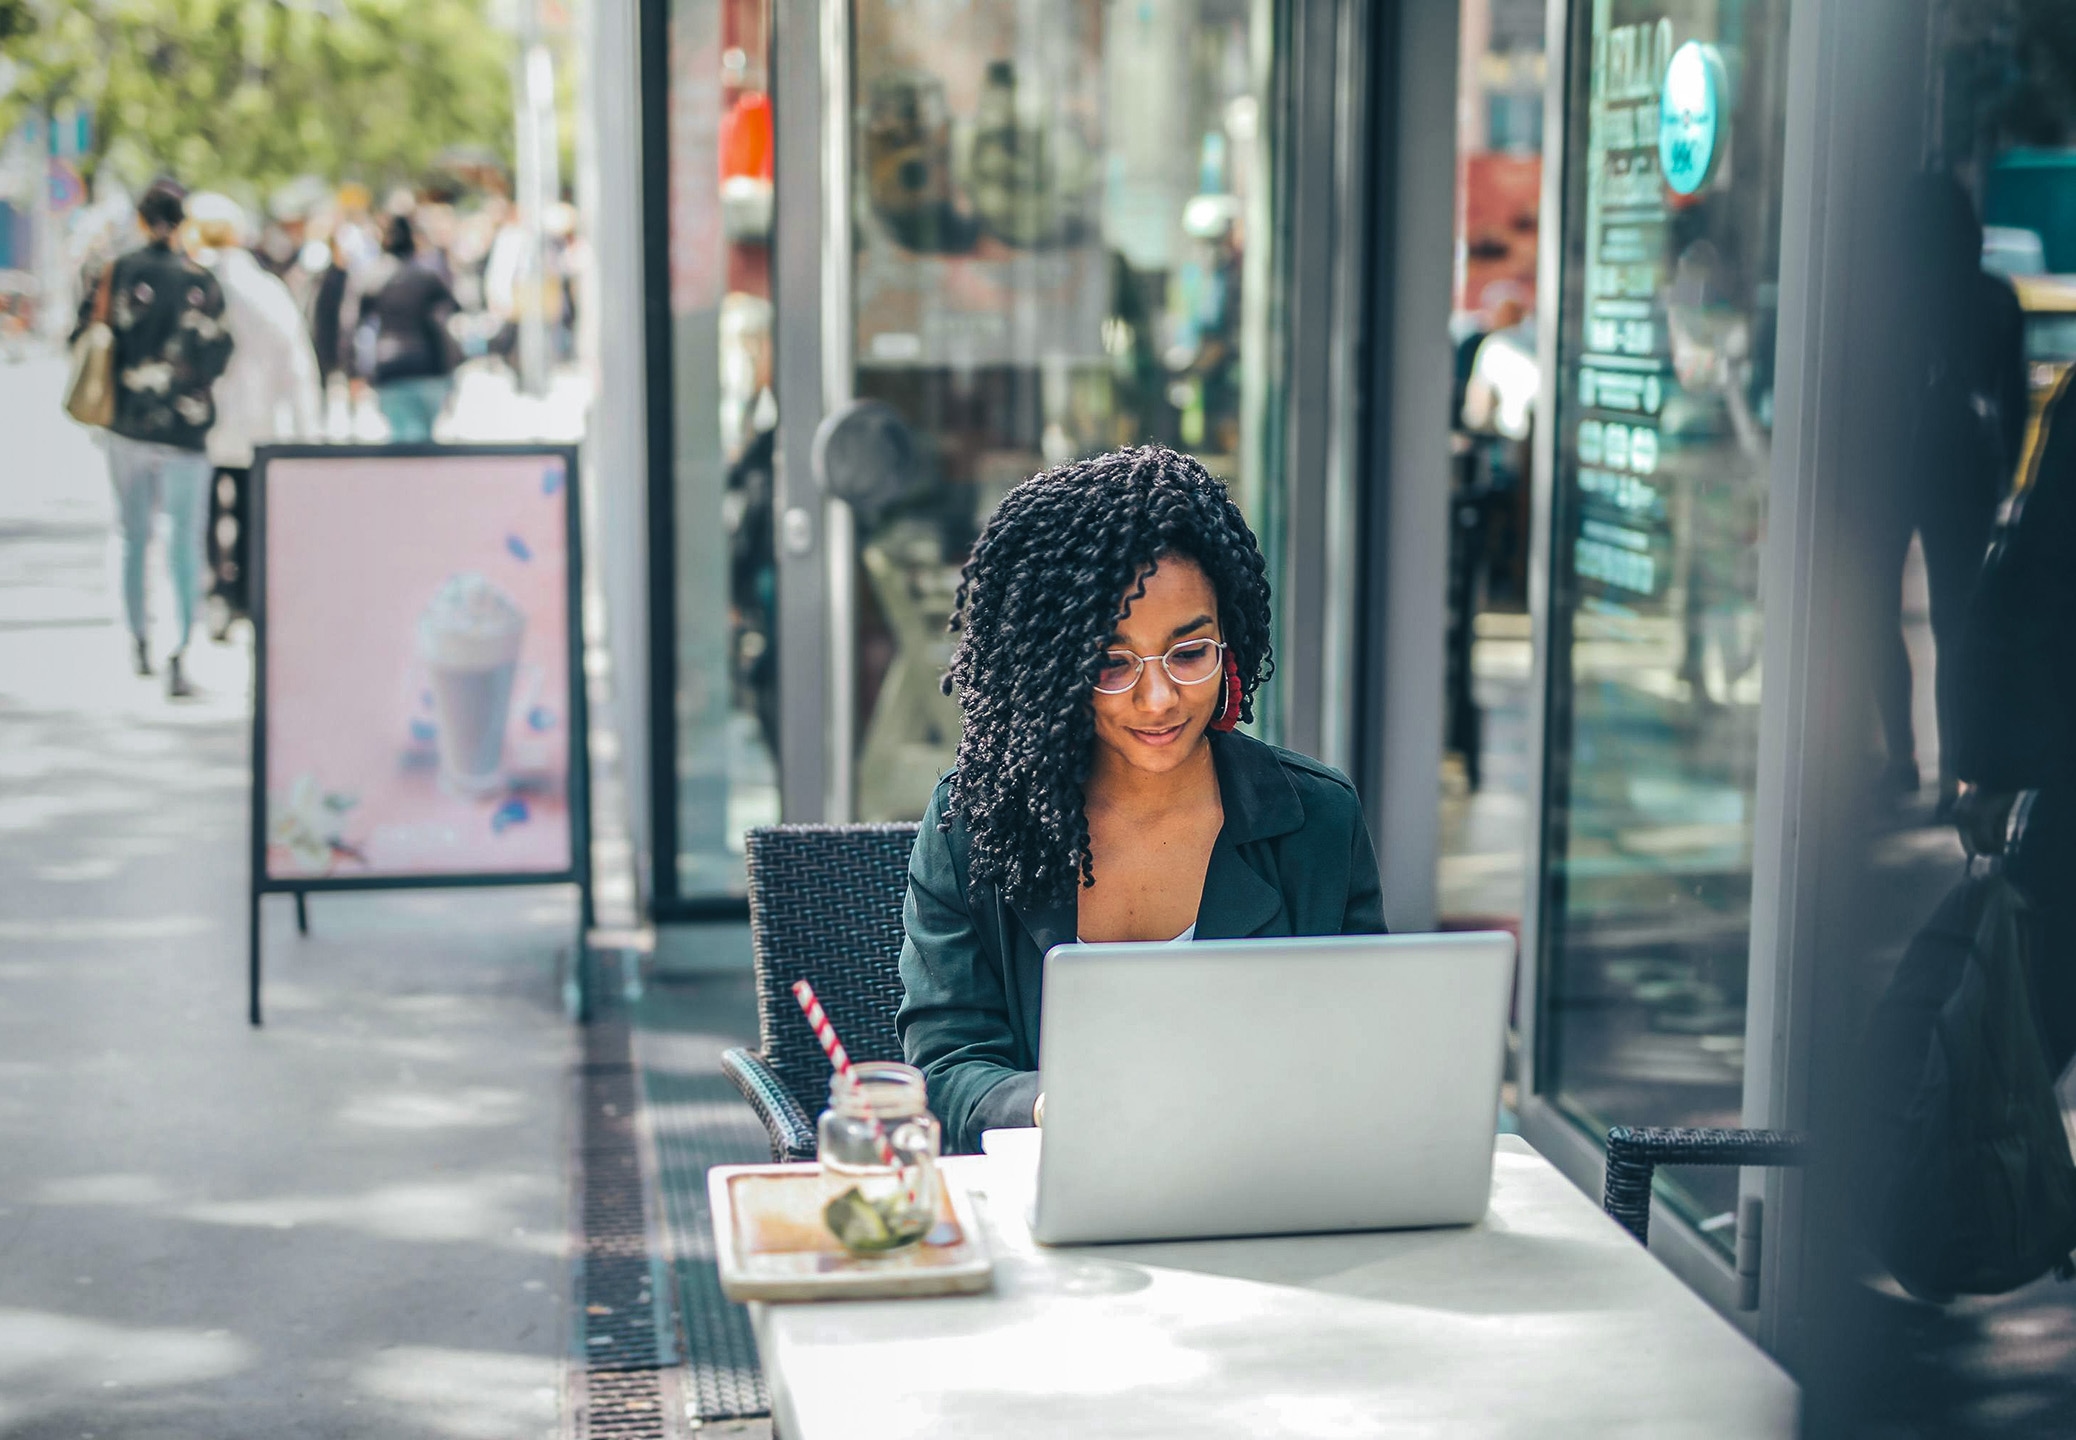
1293, 858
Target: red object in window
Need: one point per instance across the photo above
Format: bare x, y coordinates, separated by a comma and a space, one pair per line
746, 137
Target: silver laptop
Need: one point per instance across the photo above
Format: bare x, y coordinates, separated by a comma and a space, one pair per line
1270, 1087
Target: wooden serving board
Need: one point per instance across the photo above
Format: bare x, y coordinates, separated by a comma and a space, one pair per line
770, 1242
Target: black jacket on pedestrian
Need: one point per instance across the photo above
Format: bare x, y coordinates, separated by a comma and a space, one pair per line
2016, 665
170, 344
1293, 858
325, 321
410, 311
2015, 676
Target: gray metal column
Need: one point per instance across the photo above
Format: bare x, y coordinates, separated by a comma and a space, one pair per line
1855, 98
609, 170
1313, 221
810, 46
1405, 492
1549, 282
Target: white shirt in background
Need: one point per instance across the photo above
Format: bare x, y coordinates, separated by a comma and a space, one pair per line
269, 391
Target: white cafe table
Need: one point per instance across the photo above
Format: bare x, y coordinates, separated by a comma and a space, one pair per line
1546, 1320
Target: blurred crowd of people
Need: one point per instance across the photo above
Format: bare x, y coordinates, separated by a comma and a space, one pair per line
231, 330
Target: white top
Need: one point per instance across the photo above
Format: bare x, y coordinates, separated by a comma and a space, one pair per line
1184, 937
1545, 1320
268, 390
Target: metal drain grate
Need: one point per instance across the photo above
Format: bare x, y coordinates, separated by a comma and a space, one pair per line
625, 1337
699, 1122
623, 1405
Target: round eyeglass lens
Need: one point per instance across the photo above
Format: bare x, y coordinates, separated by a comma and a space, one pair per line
1193, 661
1118, 671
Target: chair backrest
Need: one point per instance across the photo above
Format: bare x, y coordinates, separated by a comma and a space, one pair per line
825, 905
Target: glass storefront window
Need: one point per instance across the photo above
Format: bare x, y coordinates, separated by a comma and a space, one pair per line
1664, 413
1481, 872
1061, 222
725, 680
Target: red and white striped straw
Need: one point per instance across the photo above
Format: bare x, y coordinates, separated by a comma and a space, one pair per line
841, 1060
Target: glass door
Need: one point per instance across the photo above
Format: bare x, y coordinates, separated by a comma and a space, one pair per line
1664, 415
1060, 241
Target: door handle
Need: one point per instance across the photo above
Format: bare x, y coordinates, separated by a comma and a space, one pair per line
797, 532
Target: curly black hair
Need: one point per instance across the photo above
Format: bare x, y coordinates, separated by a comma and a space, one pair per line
1037, 604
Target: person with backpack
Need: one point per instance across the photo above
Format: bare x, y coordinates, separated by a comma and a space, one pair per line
170, 343
1977, 1185
401, 342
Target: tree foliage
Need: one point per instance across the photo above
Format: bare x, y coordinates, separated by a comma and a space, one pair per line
247, 94
15, 19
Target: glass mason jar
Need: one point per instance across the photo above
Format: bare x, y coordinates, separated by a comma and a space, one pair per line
871, 1207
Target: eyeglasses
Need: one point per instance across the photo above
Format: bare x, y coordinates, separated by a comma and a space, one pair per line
1189, 662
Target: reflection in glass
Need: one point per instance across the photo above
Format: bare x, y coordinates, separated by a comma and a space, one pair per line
1665, 404
724, 418
1487, 688
1983, 241
1061, 248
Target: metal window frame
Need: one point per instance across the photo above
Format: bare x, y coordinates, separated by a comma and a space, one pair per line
1319, 226
809, 49
1855, 86
1399, 503
668, 903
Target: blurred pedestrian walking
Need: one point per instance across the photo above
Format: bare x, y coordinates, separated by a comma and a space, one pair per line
1966, 415
401, 342
1962, 1125
268, 391
503, 268
327, 299
171, 344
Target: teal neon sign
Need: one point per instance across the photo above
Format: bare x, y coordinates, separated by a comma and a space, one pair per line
1691, 118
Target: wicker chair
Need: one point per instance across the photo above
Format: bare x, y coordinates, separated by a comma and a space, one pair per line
825, 904
1634, 1155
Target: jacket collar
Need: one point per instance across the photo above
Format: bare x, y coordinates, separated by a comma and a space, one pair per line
1260, 803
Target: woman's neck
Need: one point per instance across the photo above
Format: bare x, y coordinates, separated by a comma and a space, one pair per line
1116, 786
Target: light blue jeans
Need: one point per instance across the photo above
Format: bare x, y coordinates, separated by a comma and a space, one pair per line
148, 478
411, 406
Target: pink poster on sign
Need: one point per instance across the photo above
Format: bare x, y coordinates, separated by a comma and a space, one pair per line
416, 716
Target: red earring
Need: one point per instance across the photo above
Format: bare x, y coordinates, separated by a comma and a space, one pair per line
1228, 716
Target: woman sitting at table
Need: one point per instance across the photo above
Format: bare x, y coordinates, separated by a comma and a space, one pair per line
1113, 627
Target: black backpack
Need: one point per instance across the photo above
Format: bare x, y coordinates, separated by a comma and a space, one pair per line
1979, 1188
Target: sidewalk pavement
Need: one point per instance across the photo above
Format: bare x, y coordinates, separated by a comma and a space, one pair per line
350, 1223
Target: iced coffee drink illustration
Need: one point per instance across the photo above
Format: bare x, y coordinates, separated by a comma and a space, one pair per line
469, 639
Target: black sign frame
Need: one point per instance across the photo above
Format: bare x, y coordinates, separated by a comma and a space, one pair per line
578, 872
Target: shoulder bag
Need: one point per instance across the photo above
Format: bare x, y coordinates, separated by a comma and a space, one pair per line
90, 389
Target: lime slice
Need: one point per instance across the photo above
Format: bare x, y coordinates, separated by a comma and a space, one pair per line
858, 1223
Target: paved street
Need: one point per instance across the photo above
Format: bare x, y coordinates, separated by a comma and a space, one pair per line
350, 1223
